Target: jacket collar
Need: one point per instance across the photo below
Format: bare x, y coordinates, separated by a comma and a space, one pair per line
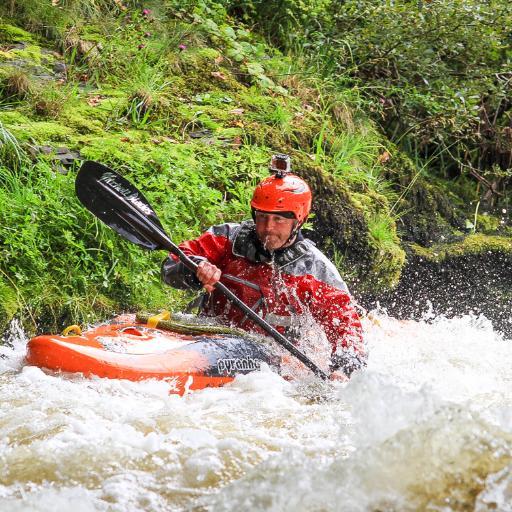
247, 245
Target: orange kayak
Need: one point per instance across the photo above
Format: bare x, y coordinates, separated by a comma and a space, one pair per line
128, 349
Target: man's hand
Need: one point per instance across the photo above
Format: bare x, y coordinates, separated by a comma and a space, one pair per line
208, 274
338, 376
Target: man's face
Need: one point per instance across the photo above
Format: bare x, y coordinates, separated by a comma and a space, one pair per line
273, 230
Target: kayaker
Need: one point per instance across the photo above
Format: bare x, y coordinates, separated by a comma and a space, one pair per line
271, 267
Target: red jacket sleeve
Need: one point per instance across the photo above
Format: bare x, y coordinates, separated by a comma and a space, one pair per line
334, 310
210, 246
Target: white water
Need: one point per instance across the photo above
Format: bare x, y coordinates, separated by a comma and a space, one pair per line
428, 426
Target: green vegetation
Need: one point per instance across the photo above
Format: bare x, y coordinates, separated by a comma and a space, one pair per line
435, 74
477, 244
189, 99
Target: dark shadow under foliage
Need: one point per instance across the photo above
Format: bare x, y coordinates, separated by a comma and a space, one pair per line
472, 284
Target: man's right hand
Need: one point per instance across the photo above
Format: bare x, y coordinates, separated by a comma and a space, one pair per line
208, 274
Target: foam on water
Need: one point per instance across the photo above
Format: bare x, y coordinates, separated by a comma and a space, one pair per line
428, 426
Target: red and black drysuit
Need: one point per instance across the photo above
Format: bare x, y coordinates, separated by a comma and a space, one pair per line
279, 286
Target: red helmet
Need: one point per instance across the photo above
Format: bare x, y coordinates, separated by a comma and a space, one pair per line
281, 194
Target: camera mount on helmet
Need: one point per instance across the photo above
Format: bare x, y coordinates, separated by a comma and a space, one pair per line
280, 165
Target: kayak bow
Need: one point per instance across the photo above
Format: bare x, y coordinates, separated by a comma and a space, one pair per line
128, 349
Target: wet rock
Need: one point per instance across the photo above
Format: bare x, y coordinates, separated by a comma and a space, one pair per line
61, 169
199, 134
468, 277
86, 51
12, 64
62, 157
60, 67
66, 156
43, 76
36, 72
47, 150
204, 136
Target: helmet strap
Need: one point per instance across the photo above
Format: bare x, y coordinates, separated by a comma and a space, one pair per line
293, 233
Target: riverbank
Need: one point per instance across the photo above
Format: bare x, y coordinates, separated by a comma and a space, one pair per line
189, 104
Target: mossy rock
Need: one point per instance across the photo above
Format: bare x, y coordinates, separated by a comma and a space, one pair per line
85, 119
6, 56
497, 224
339, 222
12, 34
471, 276
199, 58
9, 304
30, 54
40, 132
428, 213
487, 224
476, 244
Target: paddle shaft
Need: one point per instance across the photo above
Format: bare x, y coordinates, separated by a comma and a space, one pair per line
191, 265
139, 222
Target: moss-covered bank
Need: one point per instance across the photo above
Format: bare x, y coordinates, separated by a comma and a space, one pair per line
189, 105
473, 275
188, 108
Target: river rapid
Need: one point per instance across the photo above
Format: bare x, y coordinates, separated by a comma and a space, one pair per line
428, 426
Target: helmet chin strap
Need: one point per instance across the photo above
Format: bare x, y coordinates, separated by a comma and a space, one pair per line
293, 233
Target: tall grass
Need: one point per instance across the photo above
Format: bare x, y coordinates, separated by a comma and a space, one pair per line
51, 20
382, 231
63, 264
355, 157
11, 153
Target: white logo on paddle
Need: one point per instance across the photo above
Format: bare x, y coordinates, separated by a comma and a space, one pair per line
110, 179
238, 364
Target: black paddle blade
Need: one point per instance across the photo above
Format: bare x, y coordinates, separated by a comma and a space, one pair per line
116, 202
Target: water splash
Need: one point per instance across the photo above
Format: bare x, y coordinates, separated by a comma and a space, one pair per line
307, 333
12, 347
428, 426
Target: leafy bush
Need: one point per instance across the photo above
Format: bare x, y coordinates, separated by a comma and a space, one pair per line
437, 73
